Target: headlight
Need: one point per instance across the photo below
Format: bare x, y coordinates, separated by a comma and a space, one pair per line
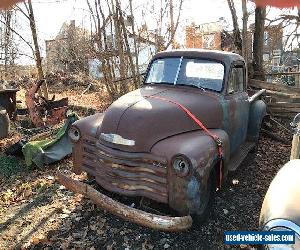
181, 165
74, 134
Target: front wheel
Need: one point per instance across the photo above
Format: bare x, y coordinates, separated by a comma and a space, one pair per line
207, 195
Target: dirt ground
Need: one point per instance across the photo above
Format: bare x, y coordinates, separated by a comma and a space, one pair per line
38, 213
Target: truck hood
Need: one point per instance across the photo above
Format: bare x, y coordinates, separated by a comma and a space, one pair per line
143, 121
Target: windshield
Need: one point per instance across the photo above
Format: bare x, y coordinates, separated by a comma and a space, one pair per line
184, 71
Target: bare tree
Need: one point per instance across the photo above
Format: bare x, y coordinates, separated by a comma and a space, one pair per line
166, 15
172, 23
236, 30
245, 31
29, 14
69, 51
38, 58
134, 41
289, 18
10, 40
119, 37
110, 45
258, 42
6, 49
7, 40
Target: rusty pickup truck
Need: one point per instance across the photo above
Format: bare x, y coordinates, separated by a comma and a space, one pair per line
174, 139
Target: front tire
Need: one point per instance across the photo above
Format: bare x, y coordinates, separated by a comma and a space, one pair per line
4, 123
207, 195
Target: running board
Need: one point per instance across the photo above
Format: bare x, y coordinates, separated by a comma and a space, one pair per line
240, 155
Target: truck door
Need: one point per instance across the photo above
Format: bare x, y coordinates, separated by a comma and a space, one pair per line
236, 99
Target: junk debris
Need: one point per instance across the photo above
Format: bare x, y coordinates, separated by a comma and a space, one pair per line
16, 149
281, 100
44, 112
50, 150
7, 109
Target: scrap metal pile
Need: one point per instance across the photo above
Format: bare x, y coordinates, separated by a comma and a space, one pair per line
45, 139
42, 111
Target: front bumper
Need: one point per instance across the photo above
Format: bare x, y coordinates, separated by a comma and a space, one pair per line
158, 222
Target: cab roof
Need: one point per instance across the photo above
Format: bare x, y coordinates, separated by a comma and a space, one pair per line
217, 55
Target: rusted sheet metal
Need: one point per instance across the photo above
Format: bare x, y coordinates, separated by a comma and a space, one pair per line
8, 101
158, 222
44, 112
125, 173
163, 117
183, 192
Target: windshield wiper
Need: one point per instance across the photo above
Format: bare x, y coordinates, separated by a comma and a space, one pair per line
193, 86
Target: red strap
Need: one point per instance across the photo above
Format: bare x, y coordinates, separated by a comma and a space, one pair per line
200, 124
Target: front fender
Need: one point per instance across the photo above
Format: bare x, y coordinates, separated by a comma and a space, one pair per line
87, 126
90, 124
256, 115
201, 150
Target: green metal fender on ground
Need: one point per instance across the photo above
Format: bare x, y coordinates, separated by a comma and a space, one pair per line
51, 150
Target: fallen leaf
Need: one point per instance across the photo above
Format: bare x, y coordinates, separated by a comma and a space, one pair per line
38, 239
66, 211
225, 211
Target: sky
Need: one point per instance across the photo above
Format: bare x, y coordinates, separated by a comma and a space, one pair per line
51, 14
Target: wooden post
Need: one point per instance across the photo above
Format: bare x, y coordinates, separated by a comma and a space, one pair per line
295, 151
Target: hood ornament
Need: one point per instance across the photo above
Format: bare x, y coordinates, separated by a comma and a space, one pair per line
117, 139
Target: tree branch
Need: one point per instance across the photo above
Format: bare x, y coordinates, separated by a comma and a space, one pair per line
23, 12
176, 26
19, 36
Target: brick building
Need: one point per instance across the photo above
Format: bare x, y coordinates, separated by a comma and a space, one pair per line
273, 46
213, 36
208, 36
